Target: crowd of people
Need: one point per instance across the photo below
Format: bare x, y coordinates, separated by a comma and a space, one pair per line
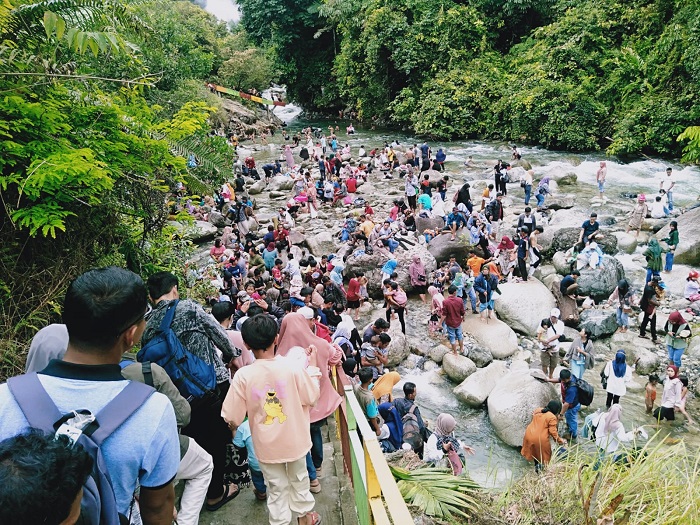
262, 349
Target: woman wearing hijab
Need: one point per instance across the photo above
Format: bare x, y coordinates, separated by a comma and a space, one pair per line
442, 442
269, 256
383, 387
392, 423
617, 374
288, 156
542, 191
536, 443
610, 433
388, 268
671, 397
343, 337
655, 262
464, 197
639, 213
581, 355
419, 279
295, 331
351, 369
677, 335
506, 256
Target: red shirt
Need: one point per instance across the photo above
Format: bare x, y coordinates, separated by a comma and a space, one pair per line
352, 185
353, 293
453, 310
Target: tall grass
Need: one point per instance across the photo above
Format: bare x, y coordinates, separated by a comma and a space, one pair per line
660, 486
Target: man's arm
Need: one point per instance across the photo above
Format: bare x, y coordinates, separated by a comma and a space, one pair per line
218, 336
580, 235
156, 505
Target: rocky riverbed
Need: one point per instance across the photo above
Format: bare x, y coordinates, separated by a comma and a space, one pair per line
494, 375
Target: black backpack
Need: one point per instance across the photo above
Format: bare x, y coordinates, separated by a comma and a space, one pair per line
585, 392
411, 429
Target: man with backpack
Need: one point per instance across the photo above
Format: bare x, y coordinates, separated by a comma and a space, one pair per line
201, 335
572, 404
415, 432
134, 440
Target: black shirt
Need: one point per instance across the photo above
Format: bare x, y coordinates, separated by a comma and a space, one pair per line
565, 283
589, 229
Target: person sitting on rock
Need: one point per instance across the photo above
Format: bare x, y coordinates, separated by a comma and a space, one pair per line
590, 230
568, 286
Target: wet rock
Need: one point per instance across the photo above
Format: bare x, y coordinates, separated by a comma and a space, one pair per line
441, 247
654, 225
601, 323
432, 222
437, 353
688, 250
256, 188
626, 242
564, 178
512, 402
647, 361
560, 203
457, 367
565, 238
475, 389
217, 219
198, 231
523, 305
481, 356
496, 336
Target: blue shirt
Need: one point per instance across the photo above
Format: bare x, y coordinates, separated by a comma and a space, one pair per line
144, 451
425, 201
244, 439
571, 394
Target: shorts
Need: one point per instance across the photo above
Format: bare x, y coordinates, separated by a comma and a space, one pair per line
454, 334
420, 288
601, 186
353, 304
487, 304
665, 413
549, 361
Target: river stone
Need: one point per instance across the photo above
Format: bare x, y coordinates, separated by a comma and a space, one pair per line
217, 219
437, 353
561, 264
496, 336
523, 305
441, 247
563, 202
654, 225
398, 347
280, 183
198, 231
544, 270
322, 243
512, 402
564, 179
480, 355
475, 389
524, 164
601, 323
626, 242
457, 367
688, 250
602, 281
296, 236
693, 349
647, 361
433, 223
256, 188
565, 238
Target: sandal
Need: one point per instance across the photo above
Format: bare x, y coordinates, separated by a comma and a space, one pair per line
315, 486
224, 500
260, 496
315, 518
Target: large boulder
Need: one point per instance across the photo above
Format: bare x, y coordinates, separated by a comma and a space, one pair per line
217, 219
688, 250
512, 402
437, 353
198, 231
523, 305
561, 263
321, 243
562, 202
564, 178
371, 265
602, 281
496, 336
256, 188
601, 323
626, 242
565, 238
280, 183
457, 367
481, 356
399, 348
475, 389
441, 247
434, 223
647, 360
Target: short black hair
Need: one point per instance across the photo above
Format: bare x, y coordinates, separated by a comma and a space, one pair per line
160, 284
100, 304
381, 323
365, 374
222, 310
527, 209
40, 477
575, 272
564, 374
409, 388
594, 214
259, 332
452, 289
384, 338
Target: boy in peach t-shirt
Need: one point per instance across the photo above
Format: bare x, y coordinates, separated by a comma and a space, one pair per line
276, 394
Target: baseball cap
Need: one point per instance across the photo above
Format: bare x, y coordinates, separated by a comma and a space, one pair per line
555, 313
307, 312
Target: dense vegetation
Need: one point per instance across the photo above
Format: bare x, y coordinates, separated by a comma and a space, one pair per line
591, 74
100, 105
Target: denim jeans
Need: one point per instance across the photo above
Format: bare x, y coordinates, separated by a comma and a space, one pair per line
472, 298
651, 273
571, 417
317, 442
391, 243
310, 467
540, 200
623, 319
669, 196
675, 354
528, 192
258, 480
669, 261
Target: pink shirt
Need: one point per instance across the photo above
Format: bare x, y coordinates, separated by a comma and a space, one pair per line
277, 398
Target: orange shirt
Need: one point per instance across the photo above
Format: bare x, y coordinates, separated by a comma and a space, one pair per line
475, 264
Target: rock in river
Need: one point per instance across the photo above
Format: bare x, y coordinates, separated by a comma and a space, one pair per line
475, 389
523, 305
457, 367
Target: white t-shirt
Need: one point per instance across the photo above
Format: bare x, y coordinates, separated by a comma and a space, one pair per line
667, 182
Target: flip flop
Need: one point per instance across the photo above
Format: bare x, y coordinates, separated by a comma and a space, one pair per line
224, 500
315, 518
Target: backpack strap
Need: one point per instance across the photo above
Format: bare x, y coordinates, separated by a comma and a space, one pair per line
117, 411
147, 372
412, 409
36, 405
169, 316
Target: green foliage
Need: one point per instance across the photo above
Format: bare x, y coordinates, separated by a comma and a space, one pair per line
691, 151
249, 68
437, 492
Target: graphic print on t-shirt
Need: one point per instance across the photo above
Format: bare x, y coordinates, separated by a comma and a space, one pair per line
272, 404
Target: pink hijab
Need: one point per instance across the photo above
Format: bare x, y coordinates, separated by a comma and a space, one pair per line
295, 331
246, 358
